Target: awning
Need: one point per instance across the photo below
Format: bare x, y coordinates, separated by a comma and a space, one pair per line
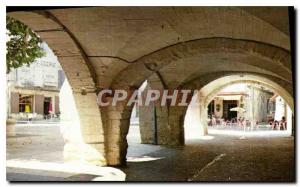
230, 97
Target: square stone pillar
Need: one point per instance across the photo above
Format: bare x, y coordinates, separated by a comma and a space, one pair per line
117, 121
176, 124
81, 127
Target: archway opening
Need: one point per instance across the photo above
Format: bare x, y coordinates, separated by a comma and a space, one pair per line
49, 134
141, 133
239, 106
35, 101
248, 108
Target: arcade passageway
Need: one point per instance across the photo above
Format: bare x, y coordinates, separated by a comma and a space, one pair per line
171, 48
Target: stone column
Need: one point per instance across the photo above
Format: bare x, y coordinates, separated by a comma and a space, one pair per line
203, 118
82, 127
145, 124
176, 124
117, 121
163, 127
203, 113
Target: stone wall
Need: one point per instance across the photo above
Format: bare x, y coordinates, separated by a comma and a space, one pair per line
257, 104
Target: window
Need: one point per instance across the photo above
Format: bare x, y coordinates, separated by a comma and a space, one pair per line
25, 103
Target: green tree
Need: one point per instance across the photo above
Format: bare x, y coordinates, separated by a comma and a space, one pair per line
23, 45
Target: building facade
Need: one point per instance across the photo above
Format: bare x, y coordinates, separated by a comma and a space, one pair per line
35, 89
252, 98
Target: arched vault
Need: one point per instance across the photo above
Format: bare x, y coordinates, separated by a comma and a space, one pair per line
121, 47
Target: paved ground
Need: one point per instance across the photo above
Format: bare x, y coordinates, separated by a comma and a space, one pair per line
220, 158
36, 154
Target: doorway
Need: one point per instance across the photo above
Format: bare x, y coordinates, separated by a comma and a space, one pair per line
227, 105
47, 102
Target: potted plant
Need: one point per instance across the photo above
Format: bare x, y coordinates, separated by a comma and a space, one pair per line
23, 47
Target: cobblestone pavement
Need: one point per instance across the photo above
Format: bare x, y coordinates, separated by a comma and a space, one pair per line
260, 156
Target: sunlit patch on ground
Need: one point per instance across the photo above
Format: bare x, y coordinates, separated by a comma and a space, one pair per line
67, 170
142, 159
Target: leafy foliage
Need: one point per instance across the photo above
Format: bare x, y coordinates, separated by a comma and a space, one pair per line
23, 45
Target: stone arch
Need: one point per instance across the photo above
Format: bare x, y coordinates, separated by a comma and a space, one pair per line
277, 89
274, 62
210, 84
83, 132
132, 56
164, 132
267, 57
209, 90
